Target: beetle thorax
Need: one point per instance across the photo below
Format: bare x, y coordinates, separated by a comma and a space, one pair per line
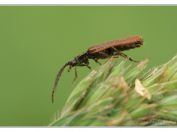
81, 59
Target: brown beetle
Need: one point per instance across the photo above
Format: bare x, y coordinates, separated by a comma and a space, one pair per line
109, 49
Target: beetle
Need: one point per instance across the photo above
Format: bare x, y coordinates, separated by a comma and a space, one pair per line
112, 48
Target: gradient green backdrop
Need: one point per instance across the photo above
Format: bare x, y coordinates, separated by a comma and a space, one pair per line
36, 41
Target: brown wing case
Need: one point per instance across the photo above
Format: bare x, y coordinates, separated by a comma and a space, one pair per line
122, 44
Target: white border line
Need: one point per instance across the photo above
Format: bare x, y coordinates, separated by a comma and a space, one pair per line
83, 2
87, 5
88, 129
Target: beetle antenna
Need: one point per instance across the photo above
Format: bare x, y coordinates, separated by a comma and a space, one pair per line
57, 80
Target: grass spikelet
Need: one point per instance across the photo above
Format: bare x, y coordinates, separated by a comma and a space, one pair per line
123, 94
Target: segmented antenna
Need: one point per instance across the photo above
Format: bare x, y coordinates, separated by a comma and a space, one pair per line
57, 80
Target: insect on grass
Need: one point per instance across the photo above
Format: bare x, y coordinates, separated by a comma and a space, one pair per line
109, 49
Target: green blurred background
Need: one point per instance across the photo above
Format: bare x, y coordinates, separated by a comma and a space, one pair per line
36, 41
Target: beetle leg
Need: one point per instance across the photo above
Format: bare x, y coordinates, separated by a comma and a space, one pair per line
86, 66
118, 53
96, 60
104, 54
86, 63
115, 49
125, 56
69, 69
75, 71
115, 56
